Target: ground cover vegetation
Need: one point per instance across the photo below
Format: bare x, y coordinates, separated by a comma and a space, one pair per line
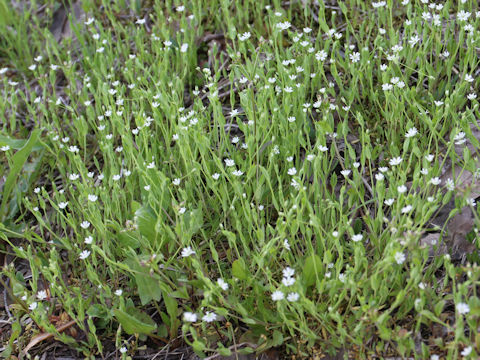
238, 177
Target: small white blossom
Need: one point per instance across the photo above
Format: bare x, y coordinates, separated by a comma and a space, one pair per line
84, 254
411, 132
278, 295
186, 252
189, 316
463, 308
223, 285
395, 161
400, 257
209, 317
42, 295
357, 237
293, 297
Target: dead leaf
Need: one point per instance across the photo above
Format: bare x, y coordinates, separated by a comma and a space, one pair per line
458, 227
60, 27
432, 240
44, 336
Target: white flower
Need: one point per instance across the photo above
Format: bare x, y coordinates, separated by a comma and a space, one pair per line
3, 70
471, 202
182, 210
321, 55
92, 197
357, 237
463, 308
42, 295
288, 272
379, 4
345, 172
395, 161
387, 87
413, 40
229, 162
244, 36
209, 316
379, 177
88, 240
284, 26
291, 119
63, 205
411, 132
147, 187
355, 57
407, 209
389, 202
176, 181
435, 181
295, 184
189, 316
293, 297
292, 171
429, 157
184, 48
215, 176
286, 244
399, 257
402, 189
84, 254
463, 15
424, 171
123, 350
466, 351
237, 172
278, 295
288, 281
469, 78
471, 96
33, 306
223, 285
5, 148
85, 224
186, 252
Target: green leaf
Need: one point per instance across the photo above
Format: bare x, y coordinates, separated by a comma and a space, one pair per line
128, 239
239, 269
135, 321
17, 161
146, 221
98, 311
17, 144
148, 285
311, 269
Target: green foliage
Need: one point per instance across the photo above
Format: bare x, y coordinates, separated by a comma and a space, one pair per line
248, 172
